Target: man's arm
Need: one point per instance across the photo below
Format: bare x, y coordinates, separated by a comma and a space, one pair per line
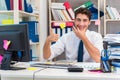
92, 50
46, 49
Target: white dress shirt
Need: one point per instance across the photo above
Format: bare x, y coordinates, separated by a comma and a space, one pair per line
69, 43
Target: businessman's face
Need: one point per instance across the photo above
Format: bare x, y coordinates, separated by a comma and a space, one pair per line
82, 21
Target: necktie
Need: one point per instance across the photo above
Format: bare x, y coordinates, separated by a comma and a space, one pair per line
80, 52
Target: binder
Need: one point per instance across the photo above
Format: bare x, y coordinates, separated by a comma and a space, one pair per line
94, 12
33, 33
92, 8
60, 31
69, 9
27, 6
8, 4
20, 4
85, 5
57, 24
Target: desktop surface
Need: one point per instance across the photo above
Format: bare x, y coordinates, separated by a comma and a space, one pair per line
63, 74
57, 74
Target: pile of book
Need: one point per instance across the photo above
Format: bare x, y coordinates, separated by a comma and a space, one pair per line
61, 12
113, 53
23, 5
113, 45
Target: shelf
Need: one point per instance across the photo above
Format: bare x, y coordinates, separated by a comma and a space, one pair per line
62, 21
94, 20
25, 14
22, 13
34, 43
62, 17
69, 21
111, 17
111, 20
74, 4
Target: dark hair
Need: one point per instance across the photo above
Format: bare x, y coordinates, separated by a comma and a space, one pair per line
85, 11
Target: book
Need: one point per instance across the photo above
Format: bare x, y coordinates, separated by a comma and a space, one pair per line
55, 15
109, 11
66, 15
3, 5
62, 15
113, 12
59, 12
116, 13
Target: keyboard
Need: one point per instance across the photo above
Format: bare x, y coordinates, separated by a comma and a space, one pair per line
44, 65
17, 68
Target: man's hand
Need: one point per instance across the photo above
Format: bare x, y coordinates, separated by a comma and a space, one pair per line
52, 37
80, 33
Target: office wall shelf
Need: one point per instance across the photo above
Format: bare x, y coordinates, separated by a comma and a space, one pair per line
20, 15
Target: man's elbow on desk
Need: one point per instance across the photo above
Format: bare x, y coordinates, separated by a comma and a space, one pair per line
45, 56
97, 60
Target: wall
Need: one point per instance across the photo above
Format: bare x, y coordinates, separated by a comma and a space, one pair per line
43, 25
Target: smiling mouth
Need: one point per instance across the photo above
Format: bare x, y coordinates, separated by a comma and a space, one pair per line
81, 26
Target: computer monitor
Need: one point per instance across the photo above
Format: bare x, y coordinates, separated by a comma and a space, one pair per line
18, 35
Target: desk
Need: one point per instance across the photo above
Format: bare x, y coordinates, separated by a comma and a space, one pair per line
18, 74
63, 74
57, 74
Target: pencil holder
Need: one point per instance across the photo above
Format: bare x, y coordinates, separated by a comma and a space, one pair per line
105, 65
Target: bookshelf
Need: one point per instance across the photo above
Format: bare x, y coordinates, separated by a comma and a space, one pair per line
111, 22
20, 15
74, 4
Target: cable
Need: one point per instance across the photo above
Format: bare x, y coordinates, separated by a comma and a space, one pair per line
36, 72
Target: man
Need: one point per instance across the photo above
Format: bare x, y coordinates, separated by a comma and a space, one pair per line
69, 42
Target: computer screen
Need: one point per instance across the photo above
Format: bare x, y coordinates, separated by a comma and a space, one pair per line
18, 35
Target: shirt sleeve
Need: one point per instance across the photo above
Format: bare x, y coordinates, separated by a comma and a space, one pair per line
57, 48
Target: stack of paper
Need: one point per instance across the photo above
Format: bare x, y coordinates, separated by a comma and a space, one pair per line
112, 38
